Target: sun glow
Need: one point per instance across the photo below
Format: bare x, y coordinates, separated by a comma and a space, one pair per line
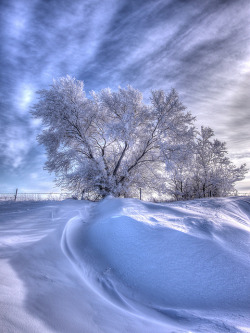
26, 95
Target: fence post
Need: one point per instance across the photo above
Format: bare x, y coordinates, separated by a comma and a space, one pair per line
16, 194
140, 193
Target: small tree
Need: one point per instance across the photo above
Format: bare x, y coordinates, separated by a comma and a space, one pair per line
110, 143
215, 174
206, 171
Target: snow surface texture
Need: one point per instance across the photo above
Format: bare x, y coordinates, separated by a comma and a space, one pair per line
123, 265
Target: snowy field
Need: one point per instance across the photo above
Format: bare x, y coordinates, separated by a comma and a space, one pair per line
123, 265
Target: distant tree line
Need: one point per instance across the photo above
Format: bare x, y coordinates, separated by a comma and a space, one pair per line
114, 143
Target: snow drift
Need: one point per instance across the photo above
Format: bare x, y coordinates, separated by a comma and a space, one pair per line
168, 258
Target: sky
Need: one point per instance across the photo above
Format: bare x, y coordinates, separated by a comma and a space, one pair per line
199, 47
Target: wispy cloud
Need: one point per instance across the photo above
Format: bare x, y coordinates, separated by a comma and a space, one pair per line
202, 48
15, 145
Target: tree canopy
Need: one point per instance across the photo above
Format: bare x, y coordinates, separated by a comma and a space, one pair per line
114, 143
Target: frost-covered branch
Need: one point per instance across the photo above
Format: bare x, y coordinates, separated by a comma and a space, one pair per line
113, 143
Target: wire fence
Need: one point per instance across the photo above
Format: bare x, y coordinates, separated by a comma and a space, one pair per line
241, 194
17, 196
34, 196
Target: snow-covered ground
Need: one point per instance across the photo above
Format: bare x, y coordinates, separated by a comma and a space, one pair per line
123, 265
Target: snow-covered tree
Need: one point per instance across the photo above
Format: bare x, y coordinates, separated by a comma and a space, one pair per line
206, 171
112, 142
180, 182
215, 174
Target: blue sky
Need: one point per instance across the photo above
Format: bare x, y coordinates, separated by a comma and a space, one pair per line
201, 48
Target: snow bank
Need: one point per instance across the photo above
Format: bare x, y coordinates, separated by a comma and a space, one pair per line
182, 256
